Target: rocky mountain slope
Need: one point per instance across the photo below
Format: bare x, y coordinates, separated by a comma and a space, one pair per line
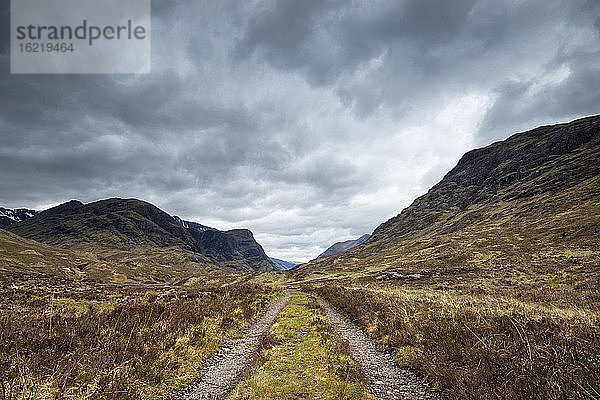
10, 216
342, 246
532, 200
236, 246
134, 231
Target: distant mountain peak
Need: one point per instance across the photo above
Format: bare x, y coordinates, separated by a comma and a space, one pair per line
342, 246
232, 246
285, 265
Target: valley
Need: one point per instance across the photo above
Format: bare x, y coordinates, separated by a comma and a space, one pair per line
485, 287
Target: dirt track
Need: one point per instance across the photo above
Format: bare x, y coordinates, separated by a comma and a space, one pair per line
224, 369
387, 381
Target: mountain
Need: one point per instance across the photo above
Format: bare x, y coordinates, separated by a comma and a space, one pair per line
285, 265
341, 246
10, 216
231, 248
528, 202
139, 233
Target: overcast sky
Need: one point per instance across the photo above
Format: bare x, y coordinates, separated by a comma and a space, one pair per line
306, 121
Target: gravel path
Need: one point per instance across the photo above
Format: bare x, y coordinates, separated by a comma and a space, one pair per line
387, 381
223, 369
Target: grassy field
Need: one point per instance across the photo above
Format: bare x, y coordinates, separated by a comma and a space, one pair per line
482, 346
473, 336
65, 340
301, 358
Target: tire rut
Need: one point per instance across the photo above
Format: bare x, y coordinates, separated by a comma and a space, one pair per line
387, 381
224, 369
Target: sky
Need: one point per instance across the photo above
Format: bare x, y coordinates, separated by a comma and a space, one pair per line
306, 121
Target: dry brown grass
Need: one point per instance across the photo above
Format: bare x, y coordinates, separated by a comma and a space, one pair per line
63, 340
482, 347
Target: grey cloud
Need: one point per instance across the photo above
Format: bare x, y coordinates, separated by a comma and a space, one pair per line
326, 38
519, 102
425, 23
286, 35
426, 47
307, 121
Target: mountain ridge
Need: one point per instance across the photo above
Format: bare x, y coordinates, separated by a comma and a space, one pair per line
338, 247
127, 229
505, 171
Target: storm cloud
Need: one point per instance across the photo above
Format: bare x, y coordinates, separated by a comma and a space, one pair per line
306, 121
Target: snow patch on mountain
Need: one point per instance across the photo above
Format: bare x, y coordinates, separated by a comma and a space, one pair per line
17, 214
